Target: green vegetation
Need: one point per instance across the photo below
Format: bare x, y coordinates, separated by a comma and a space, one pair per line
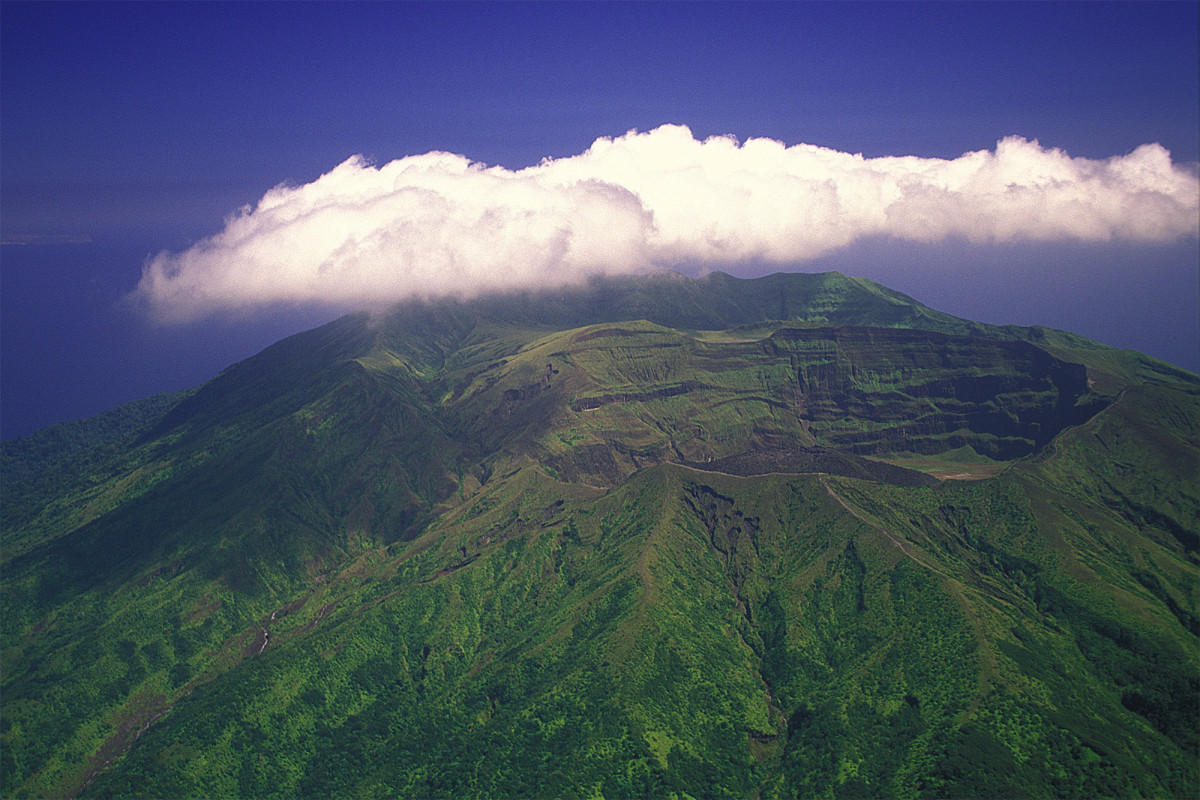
652, 537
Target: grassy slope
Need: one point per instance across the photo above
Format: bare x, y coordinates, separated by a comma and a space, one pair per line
716, 635
572, 618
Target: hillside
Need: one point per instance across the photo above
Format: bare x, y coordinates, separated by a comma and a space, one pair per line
792, 536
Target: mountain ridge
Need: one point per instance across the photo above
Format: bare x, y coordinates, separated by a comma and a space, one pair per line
443, 551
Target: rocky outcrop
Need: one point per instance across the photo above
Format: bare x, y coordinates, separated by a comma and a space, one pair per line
874, 390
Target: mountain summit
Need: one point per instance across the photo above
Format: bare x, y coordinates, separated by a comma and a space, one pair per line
657, 536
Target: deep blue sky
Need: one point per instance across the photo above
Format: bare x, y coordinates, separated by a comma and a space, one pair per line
139, 127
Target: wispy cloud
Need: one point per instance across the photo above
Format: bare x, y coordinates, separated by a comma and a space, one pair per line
441, 224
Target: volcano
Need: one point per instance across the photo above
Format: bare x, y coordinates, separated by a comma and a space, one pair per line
796, 536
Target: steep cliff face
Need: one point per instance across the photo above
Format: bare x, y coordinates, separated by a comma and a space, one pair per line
875, 391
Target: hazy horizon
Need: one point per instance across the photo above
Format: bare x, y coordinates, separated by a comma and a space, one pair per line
184, 184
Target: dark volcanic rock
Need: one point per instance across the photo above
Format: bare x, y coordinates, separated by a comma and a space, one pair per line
874, 390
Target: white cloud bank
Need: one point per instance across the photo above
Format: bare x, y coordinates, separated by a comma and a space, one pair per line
438, 223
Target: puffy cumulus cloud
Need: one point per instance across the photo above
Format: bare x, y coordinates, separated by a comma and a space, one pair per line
439, 223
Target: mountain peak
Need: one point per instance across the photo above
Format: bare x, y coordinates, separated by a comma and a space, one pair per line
797, 535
